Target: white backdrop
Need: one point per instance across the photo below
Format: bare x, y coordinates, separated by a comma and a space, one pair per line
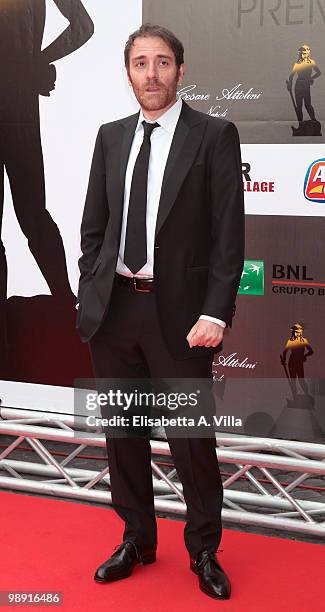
91, 89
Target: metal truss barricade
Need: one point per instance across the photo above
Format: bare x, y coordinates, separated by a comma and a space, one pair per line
261, 464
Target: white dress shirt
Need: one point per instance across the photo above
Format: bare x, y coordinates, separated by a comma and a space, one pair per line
161, 140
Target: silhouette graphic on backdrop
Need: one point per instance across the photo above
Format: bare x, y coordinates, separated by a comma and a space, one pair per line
26, 72
306, 71
300, 350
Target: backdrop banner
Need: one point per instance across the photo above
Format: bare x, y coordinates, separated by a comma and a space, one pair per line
258, 63
62, 76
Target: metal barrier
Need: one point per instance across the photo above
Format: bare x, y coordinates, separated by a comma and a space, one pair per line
268, 504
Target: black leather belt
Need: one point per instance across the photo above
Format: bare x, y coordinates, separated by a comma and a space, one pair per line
144, 285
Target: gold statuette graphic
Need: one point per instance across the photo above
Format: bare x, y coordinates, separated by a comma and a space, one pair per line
306, 71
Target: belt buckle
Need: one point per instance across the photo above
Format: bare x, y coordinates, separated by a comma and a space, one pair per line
136, 287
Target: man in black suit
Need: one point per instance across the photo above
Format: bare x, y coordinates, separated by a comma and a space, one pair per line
162, 241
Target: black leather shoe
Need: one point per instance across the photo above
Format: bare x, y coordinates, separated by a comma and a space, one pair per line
122, 562
212, 579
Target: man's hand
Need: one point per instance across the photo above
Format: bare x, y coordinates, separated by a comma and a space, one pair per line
205, 333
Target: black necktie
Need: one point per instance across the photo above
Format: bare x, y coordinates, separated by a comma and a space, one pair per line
135, 249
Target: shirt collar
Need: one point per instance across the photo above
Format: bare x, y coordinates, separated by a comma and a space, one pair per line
167, 121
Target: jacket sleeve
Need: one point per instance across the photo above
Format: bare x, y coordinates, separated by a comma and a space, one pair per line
95, 215
227, 223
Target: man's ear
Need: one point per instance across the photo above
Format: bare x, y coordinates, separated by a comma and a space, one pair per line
181, 73
128, 76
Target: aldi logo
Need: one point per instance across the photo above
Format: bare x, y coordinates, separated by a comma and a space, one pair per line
252, 278
314, 187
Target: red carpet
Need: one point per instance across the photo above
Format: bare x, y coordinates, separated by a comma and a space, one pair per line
56, 545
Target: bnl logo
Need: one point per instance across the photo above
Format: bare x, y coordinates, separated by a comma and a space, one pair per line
252, 278
314, 187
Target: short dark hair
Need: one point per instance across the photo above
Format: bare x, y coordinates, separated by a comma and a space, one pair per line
149, 29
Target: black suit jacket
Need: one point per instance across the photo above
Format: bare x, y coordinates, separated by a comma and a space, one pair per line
199, 238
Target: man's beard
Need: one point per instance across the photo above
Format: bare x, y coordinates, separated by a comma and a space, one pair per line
160, 99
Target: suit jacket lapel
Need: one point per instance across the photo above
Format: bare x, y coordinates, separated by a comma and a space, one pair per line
185, 144
129, 128
118, 165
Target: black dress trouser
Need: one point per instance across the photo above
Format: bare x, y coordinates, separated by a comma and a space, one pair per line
129, 344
